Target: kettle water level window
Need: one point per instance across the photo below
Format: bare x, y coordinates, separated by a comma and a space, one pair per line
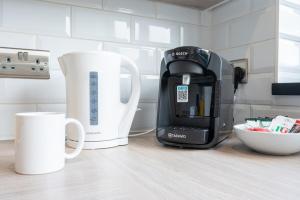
93, 98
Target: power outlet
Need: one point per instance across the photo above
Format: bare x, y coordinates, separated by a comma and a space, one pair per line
24, 63
242, 63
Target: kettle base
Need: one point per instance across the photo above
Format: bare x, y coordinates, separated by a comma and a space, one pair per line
99, 144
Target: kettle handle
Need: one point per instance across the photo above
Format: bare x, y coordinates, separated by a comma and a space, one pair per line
128, 109
62, 64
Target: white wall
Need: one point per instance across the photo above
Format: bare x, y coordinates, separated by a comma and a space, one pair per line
247, 29
139, 29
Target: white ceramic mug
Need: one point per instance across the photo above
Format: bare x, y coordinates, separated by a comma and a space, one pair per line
40, 142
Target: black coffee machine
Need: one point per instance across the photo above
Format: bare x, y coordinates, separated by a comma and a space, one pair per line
196, 92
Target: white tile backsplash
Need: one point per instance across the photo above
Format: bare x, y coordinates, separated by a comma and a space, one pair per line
283, 100
220, 36
231, 10
258, 26
149, 88
36, 17
251, 34
257, 90
82, 3
8, 120
2, 89
35, 91
51, 108
100, 25
145, 117
155, 32
241, 112
134, 7
263, 57
144, 57
273, 111
59, 46
17, 40
178, 13
235, 53
206, 18
193, 35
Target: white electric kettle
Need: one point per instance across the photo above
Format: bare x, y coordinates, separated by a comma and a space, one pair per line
93, 97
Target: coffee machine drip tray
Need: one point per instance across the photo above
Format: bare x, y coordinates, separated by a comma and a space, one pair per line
184, 135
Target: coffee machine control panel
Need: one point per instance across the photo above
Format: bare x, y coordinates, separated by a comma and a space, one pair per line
196, 54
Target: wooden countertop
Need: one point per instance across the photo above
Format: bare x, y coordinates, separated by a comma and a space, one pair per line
146, 170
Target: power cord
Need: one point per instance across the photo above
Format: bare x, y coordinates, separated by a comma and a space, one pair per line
239, 74
137, 133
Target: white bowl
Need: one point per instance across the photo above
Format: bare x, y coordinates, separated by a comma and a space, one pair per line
268, 142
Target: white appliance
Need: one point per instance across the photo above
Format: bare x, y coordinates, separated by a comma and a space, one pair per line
93, 97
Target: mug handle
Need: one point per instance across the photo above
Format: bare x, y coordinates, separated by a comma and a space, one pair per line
81, 135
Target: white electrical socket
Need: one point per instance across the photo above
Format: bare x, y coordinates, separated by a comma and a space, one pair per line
24, 63
242, 63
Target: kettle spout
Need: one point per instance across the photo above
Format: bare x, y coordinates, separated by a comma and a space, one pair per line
62, 65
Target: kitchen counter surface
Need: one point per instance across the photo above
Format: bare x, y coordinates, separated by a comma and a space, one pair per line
146, 170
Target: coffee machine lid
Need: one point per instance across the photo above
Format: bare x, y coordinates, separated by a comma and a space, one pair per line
188, 53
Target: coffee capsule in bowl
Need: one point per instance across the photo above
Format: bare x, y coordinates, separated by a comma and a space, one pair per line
268, 142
